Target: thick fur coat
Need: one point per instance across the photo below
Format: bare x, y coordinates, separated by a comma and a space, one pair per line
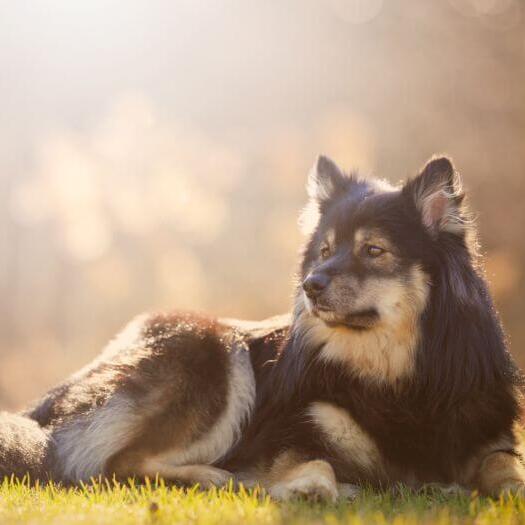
392, 368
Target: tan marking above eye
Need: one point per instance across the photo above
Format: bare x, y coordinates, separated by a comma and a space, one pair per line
371, 237
325, 251
328, 244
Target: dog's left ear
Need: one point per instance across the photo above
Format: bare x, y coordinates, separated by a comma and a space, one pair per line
438, 195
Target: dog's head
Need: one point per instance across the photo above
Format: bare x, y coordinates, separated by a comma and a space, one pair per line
372, 248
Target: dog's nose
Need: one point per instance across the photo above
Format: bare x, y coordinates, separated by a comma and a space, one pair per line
314, 284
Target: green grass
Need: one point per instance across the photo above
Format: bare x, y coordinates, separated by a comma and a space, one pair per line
158, 504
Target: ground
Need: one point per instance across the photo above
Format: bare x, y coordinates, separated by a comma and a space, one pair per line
158, 504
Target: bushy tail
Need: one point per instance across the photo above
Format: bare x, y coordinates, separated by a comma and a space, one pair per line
24, 448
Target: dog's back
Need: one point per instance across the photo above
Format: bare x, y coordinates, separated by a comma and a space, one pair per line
170, 395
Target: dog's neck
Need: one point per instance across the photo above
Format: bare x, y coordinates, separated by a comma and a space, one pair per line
384, 354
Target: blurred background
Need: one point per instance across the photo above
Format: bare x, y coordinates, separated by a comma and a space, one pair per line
153, 154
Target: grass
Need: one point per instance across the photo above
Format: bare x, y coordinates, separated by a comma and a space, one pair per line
158, 504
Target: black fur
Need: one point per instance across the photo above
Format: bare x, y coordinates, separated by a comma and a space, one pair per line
464, 394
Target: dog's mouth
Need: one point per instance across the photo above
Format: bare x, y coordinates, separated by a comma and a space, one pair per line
358, 320
362, 319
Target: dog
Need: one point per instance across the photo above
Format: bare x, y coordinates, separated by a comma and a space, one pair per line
392, 368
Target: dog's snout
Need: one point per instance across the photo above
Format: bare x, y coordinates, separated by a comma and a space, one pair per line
314, 284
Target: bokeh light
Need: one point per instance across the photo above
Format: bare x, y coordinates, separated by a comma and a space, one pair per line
154, 154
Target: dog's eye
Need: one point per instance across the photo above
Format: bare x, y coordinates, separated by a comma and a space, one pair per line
325, 252
374, 251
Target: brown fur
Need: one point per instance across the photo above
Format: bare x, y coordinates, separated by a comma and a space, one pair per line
154, 394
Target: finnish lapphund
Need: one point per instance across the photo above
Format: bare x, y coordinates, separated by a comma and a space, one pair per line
392, 368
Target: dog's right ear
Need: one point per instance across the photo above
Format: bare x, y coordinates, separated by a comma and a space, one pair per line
324, 179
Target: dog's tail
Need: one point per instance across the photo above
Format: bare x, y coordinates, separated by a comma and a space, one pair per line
25, 448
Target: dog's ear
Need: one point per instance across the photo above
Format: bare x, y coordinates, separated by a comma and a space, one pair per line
327, 182
437, 194
324, 179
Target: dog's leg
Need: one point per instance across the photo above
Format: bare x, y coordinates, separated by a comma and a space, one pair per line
291, 478
205, 475
501, 472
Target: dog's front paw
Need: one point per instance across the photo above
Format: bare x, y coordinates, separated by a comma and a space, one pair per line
514, 487
501, 473
315, 483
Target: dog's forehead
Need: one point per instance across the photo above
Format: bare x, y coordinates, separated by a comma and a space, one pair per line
371, 235
368, 216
